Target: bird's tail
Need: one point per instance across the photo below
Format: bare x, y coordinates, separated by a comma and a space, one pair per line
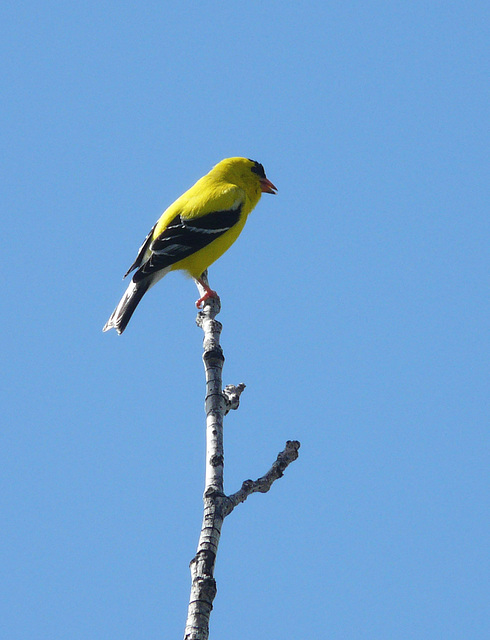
128, 303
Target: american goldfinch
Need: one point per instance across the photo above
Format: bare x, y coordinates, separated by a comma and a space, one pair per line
195, 231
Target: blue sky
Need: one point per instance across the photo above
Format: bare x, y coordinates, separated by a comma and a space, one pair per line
355, 308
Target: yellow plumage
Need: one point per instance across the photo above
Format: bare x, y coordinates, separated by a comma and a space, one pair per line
195, 230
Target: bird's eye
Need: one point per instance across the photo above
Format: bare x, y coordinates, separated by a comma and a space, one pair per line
258, 169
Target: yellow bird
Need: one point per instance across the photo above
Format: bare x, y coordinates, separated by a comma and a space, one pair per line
195, 231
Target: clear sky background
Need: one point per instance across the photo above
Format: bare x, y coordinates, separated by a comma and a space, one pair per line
355, 308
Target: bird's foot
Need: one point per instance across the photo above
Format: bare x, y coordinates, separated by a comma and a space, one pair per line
208, 294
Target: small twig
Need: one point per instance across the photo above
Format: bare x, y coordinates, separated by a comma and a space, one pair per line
232, 396
263, 484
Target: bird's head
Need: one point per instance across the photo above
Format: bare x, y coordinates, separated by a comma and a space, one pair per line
247, 174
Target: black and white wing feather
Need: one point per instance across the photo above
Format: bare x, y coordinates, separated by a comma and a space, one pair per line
142, 251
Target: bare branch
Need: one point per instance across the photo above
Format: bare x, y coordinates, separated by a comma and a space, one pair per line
216, 505
263, 484
203, 587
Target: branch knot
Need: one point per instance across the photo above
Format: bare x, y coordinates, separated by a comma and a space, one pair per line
214, 355
216, 460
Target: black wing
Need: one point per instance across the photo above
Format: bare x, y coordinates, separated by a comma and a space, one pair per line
184, 237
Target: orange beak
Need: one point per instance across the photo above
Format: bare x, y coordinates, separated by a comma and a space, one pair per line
266, 186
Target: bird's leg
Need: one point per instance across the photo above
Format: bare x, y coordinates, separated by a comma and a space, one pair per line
209, 293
